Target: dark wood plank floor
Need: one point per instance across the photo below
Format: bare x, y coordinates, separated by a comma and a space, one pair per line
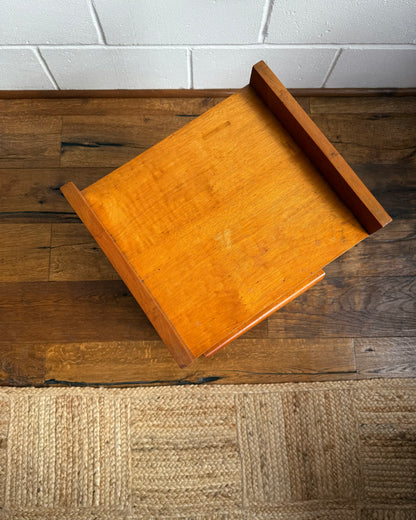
66, 318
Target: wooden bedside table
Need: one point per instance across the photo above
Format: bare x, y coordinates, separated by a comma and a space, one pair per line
229, 218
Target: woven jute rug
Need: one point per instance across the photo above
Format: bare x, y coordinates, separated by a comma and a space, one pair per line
344, 450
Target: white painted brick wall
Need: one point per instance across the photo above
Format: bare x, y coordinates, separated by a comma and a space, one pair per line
145, 44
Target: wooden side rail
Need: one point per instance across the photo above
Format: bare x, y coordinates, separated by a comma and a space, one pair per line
136, 285
320, 151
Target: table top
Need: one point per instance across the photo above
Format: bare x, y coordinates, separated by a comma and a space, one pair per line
223, 218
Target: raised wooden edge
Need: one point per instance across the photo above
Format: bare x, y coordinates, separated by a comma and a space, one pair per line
136, 285
283, 300
320, 151
189, 93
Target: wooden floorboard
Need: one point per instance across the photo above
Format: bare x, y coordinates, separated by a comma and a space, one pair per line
125, 363
371, 138
354, 307
114, 140
385, 357
389, 252
71, 311
66, 318
373, 105
24, 252
75, 256
110, 106
33, 195
30, 141
394, 186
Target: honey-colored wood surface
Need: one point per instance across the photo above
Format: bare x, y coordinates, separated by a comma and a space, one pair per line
217, 232
84, 327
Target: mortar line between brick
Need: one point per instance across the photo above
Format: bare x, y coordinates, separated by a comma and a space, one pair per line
331, 67
46, 68
190, 68
97, 23
264, 26
213, 46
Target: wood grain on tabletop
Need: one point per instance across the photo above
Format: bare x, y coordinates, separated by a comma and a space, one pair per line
100, 335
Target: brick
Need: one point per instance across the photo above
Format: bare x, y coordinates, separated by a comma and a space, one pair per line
180, 21
21, 70
375, 68
318, 21
230, 68
46, 21
109, 68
